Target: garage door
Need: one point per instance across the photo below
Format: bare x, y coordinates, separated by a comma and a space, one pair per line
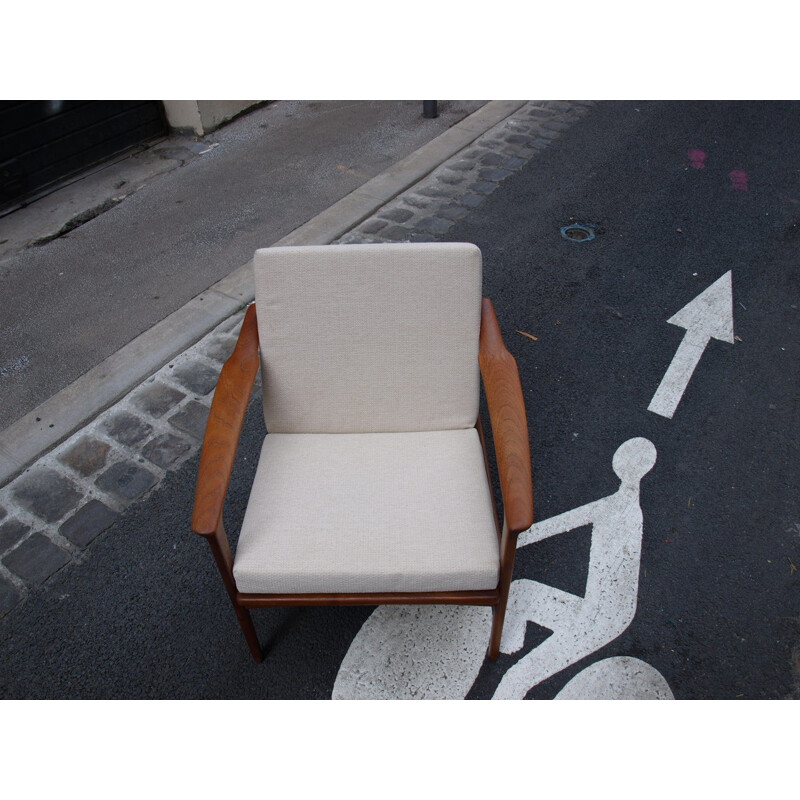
45, 141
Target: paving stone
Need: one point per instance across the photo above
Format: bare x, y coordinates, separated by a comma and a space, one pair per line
9, 597
90, 521
197, 378
484, 187
165, 450
11, 532
453, 212
86, 456
3, 512
157, 398
493, 174
526, 131
492, 159
513, 163
538, 143
397, 214
127, 428
191, 419
220, 349
417, 201
47, 494
438, 192
396, 233
422, 237
557, 105
462, 164
126, 480
36, 559
505, 151
517, 138
473, 200
434, 225
556, 125
373, 226
452, 180
355, 238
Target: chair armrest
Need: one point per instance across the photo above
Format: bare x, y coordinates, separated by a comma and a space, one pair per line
224, 427
509, 425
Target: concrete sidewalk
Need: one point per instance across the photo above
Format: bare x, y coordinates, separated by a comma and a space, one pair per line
89, 268
105, 441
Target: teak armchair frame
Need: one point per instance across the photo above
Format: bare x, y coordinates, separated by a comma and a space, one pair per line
510, 432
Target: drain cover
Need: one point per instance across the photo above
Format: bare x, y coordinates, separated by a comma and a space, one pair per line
579, 232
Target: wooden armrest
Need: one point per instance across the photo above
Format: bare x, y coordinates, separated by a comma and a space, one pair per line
224, 427
509, 425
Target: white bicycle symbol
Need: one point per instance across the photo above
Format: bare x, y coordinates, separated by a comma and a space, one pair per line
398, 653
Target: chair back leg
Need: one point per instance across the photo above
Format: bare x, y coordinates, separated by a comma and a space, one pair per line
249, 630
498, 617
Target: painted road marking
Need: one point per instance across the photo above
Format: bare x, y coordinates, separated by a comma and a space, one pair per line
436, 652
581, 625
697, 158
618, 678
415, 653
738, 179
708, 316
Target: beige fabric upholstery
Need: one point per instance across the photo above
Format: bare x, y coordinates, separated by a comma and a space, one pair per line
374, 512
369, 338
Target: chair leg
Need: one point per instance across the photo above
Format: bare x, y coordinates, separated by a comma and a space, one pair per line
249, 630
222, 555
498, 617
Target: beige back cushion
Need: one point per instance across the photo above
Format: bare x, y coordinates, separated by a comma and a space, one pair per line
369, 338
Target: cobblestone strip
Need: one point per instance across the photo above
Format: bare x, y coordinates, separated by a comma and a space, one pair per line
51, 514
431, 207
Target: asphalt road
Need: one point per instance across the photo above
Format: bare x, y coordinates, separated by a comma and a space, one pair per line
718, 595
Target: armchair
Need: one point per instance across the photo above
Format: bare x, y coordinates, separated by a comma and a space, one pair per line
373, 484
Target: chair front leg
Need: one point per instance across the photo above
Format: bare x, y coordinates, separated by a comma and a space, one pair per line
224, 558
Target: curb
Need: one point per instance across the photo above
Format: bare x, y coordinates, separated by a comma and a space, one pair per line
57, 418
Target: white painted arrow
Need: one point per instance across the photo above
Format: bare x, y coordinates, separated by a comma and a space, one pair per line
708, 316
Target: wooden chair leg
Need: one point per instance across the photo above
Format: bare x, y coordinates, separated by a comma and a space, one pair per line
222, 555
249, 630
498, 617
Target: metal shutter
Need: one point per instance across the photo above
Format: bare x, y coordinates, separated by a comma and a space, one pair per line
43, 142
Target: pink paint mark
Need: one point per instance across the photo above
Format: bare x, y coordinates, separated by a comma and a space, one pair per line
738, 179
697, 158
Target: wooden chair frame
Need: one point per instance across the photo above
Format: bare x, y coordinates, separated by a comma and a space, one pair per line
510, 431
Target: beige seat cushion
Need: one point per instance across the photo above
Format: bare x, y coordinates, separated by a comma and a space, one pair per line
369, 338
374, 512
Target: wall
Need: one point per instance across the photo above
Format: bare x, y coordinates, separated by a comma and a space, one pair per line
203, 116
